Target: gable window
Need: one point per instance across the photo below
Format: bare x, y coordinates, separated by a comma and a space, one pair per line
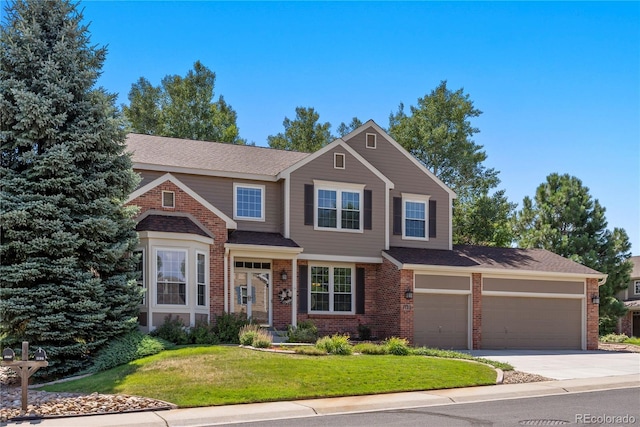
248, 202
168, 199
371, 140
201, 278
636, 287
172, 277
414, 216
338, 160
331, 289
339, 206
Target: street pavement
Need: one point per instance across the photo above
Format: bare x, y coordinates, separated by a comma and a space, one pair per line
587, 371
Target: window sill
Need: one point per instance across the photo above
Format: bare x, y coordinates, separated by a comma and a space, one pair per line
346, 315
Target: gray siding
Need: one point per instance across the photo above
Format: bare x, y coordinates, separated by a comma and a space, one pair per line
219, 192
407, 178
369, 243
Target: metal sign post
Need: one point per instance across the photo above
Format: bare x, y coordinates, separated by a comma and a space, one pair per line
25, 367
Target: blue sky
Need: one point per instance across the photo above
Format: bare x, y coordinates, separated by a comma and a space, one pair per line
558, 83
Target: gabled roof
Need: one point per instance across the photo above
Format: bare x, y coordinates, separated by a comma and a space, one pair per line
208, 158
394, 143
486, 259
240, 237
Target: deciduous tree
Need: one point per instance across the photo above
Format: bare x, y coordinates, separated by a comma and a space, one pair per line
67, 275
565, 219
304, 133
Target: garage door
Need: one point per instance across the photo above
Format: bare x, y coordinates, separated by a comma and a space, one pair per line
531, 323
441, 321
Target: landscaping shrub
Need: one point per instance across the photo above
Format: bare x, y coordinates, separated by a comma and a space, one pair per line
127, 348
203, 333
370, 348
172, 330
364, 332
615, 338
335, 344
228, 327
247, 334
310, 351
305, 332
262, 339
397, 346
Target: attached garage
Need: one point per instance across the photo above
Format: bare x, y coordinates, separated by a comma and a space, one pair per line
532, 314
441, 311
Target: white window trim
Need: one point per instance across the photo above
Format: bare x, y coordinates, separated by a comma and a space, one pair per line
338, 187
415, 198
375, 141
262, 189
206, 279
173, 198
331, 293
155, 276
335, 161
636, 287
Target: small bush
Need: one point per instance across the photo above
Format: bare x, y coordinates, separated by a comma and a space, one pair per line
262, 339
203, 333
172, 330
615, 338
247, 334
127, 348
305, 332
364, 332
335, 344
370, 348
310, 351
397, 346
228, 327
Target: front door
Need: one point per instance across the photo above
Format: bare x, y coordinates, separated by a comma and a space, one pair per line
253, 294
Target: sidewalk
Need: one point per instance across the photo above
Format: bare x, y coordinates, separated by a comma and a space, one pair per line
218, 415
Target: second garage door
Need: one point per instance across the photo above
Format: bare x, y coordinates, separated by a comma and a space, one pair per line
531, 323
441, 321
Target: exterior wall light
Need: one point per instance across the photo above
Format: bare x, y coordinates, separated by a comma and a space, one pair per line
595, 299
283, 275
408, 294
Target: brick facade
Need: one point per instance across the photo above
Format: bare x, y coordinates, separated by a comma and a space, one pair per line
476, 310
593, 317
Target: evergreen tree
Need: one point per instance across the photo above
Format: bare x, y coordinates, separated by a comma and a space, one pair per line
565, 220
66, 238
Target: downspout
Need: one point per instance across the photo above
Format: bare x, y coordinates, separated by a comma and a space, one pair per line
226, 280
294, 292
603, 280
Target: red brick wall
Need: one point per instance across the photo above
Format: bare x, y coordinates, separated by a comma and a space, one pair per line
476, 294
281, 311
592, 315
152, 199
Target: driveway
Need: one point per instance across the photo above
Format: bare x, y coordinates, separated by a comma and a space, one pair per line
567, 364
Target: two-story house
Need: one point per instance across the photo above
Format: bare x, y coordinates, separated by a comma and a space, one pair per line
630, 322
358, 232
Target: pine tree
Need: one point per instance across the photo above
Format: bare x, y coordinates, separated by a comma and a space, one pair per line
66, 238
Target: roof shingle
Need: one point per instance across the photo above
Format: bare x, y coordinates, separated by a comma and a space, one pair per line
170, 224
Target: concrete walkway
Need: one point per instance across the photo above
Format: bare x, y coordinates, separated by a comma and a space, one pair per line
220, 415
567, 364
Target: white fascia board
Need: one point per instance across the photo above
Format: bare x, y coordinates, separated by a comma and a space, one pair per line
493, 272
341, 258
162, 235
205, 172
262, 251
392, 260
403, 151
531, 295
230, 223
285, 174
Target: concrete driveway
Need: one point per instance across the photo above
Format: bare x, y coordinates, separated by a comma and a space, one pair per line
567, 364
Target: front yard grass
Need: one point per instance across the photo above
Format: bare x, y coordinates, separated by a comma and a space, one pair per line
218, 375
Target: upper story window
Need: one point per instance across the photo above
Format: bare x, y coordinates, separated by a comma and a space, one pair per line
414, 216
331, 289
371, 140
339, 206
168, 199
172, 276
248, 202
338, 161
636, 287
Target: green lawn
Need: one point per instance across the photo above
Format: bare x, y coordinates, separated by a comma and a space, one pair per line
217, 375
633, 340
